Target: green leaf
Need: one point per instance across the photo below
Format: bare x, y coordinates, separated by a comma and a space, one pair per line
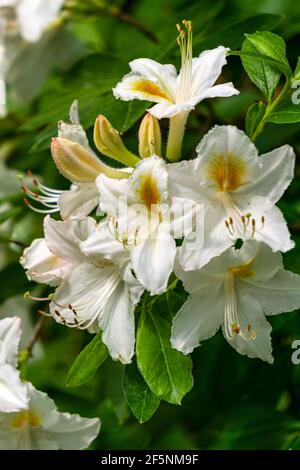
288, 114
254, 116
141, 400
166, 371
87, 362
265, 74
269, 44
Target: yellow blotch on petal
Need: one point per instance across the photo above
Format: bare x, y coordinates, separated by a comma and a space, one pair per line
148, 191
150, 89
25, 418
227, 171
244, 270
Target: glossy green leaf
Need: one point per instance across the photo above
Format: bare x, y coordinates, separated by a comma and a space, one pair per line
87, 362
141, 400
166, 371
265, 74
254, 116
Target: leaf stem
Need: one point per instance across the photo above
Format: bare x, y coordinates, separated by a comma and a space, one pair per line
269, 109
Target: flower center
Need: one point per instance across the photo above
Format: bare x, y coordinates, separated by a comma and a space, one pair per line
148, 191
25, 418
150, 89
227, 172
243, 270
232, 326
185, 42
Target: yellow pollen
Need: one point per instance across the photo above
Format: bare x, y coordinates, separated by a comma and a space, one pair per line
227, 171
148, 191
25, 417
244, 270
150, 89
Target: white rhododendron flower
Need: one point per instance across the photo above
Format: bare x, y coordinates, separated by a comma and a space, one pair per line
42, 427
13, 394
34, 16
174, 94
94, 291
239, 190
236, 290
23, 23
145, 222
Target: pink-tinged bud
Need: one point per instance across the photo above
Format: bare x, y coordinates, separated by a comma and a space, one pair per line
78, 164
149, 137
109, 142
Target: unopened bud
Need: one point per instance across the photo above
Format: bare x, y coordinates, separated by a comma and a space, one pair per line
109, 142
78, 164
149, 137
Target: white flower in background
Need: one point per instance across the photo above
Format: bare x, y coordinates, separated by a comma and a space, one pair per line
22, 21
176, 95
94, 290
42, 427
144, 220
239, 190
236, 290
20, 307
13, 394
33, 17
77, 162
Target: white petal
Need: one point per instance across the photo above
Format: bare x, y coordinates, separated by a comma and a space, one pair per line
13, 394
63, 430
168, 110
212, 240
102, 244
149, 81
210, 274
207, 68
277, 171
222, 90
63, 238
111, 193
117, 324
41, 265
35, 15
250, 313
79, 201
226, 140
264, 261
279, 294
86, 291
10, 334
274, 230
183, 181
153, 260
155, 168
198, 319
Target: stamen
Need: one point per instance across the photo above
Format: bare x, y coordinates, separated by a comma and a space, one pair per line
185, 42
253, 228
47, 197
27, 295
232, 326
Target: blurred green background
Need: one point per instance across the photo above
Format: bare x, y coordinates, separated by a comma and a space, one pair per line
236, 402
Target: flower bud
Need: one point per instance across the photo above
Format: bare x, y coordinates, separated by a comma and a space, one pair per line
149, 137
78, 164
108, 141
